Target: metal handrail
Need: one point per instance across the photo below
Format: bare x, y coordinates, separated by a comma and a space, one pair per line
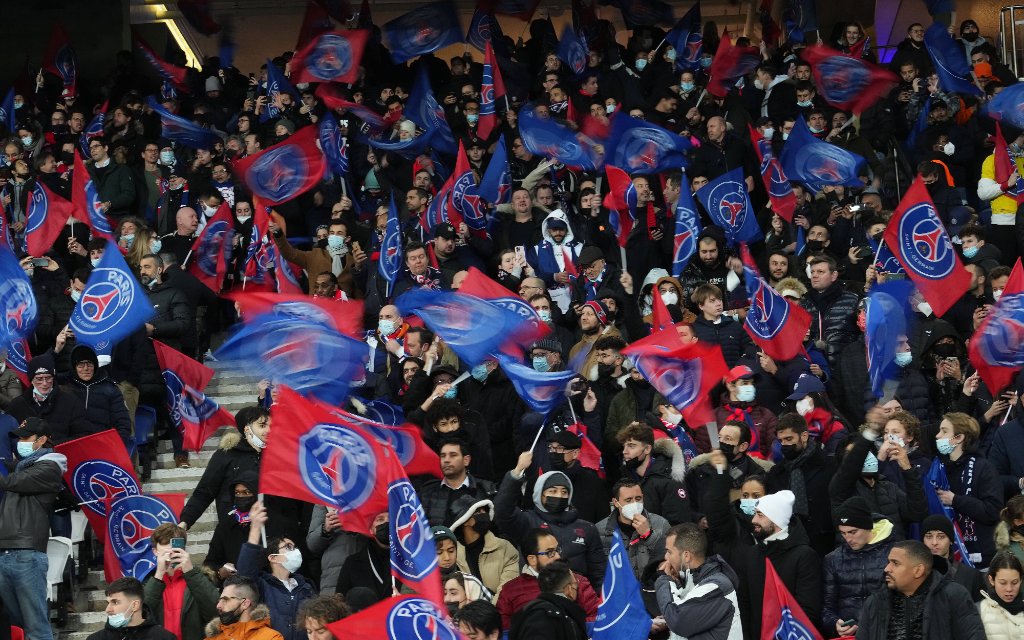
1011, 16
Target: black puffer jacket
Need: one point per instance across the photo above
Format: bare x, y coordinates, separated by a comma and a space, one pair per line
817, 470
851, 576
949, 613
174, 324
233, 456
833, 317
62, 410
104, 404
662, 484
728, 334
914, 394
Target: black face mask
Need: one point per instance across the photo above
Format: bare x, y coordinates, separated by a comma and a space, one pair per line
322, 244
605, 370
944, 350
878, 236
790, 452
728, 449
815, 246
382, 533
243, 505
453, 608
558, 462
231, 617
970, 37
634, 464
1019, 529
555, 504
481, 523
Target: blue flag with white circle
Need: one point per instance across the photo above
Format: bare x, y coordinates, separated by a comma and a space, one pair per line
621, 614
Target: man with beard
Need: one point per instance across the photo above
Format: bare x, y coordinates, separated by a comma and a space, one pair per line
712, 267
173, 324
370, 568
437, 496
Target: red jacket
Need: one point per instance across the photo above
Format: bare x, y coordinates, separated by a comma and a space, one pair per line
520, 591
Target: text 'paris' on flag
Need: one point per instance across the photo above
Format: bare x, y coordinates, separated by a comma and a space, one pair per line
112, 306
397, 618
129, 528
726, 200
286, 170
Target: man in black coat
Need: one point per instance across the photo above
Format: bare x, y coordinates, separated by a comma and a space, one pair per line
833, 309
370, 568
491, 394
590, 493
126, 603
64, 412
554, 614
114, 183
103, 402
201, 299
173, 324
437, 496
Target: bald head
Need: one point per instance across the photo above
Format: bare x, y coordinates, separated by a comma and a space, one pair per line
390, 312
186, 221
716, 128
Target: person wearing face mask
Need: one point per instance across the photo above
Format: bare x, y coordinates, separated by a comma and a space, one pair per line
491, 394
461, 588
339, 255
127, 616
180, 595
447, 418
552, 508
735, 445
370, 568
857, 476
175, 196
975, 492
912, 388
282, 588
481, 554
812, 403
30, 490
556, 256
240, 615
232, 531
642, 531
439, 496
103, 402
658, 466
63, 411
174, 323
564, 447
739, 402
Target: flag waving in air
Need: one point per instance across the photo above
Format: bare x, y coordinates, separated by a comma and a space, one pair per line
390, 262
886, 326
276, 84
210, 255
496, 184
936, 479
572, 50
195, 416
621, 615
86, 199
397, 618
1005, 165
780, 192
549, 139
726, 201
781, 616
641, 147
167, 71
113, 304
815, 163
730, 63
411, 543
60, 59
181, 130
286, 170
621, 202
7, 111
846, 81
423, 30
997, 347
955, 74
687, 228
330, 57
543, 392
919, 241
775, 324
491, 88
17, 299
48, 213
687, 38
129, 527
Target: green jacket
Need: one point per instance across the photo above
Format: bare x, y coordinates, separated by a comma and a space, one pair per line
198, 608
623, 411
115, 185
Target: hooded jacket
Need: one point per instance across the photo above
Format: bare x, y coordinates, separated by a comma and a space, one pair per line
662, 483
580, 542
705, 607
104, 404
549, 256
233, 456
231, 531
258, 628
29, 490
851, 576
549, 616
61, 410
949, 613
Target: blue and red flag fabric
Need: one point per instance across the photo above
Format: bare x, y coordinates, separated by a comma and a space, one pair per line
997, 347
621, 203
479, 285
886, 262
423, 30
168, 72
406, 440
465, 196
522, 9
542, 392
621, 615
687, 228
921, 244
572, 50
886, 320
333, 145
440, 208
330, 57
94, 129
1008, 105
210, 256
335, 98
781, 615
411, 543
423, 109
342, 316
47, 215
60, 59
726, 200
483, 28
775, 324
7, 114
132, 519
86, 200
951, 65
640, 147
286, 170
496, 184
285, 275
99, 471
730, 63
277, 83
17, 300
684, 373
397, 618
815, 163
318, 456
198, 14
1006, 165
388, 414
687, 38
17, 358
307, 354
780, 192
410, 148
261, 251
643, 13
934, 479
390, 263
458, 318
845, 81
491, 88
113, 304
548, 139
183, 131
315, 21
193, 414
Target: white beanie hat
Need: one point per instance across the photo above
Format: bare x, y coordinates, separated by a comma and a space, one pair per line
777, 507
408, 126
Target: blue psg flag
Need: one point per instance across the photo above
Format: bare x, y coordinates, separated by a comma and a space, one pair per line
7, 110
94, 129
949, 61
277, 83
496, 184
572, 50
390, 261
471, 327
642, 13
1008, 105
726, 201
184, 132
333, 144
636, 146
423, 30
413, 553
687, 38
775, 324
423, 109
130, 524
621, 614
483, 28
113, 304
309, 355
934, 479
549, 139
886, 321
809, 161
17, 301
543, 392
687, 229
415, 146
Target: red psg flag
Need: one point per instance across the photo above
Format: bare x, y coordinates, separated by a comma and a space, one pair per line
345, 316
320, 457
997, 348
47, 215
397, 618
211, 252
286, 170
781, 616
920, 243
330, 57
99, 470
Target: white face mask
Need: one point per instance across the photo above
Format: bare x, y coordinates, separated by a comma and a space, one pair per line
996, 294
631, 510
75, 295
673, 417
805, 406
670, 297
948, 148
292, 560
925, 308
255, 440
768, 133
208, 211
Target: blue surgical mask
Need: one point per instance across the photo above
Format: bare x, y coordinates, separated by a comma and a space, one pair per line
27, 141
386, 327
803, 103
545, 315
686, 86
472, 118
335, 242
119, 620
903, 358
746, 393
748, 505
167, 157
814, 129
706, 62
670, 55
768, 133
25, 449
609, 109
95, 262
970, 252
942, 445
870, 464
128, 238
155, 245
479, 372
540, 363
450, 393
785, 135
640, 64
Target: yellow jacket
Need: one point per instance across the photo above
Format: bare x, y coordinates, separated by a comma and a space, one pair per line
1004, 208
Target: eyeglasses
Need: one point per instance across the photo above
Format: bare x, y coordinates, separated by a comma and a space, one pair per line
550, 553
286, 547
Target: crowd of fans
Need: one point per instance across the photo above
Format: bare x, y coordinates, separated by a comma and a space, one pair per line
806, 467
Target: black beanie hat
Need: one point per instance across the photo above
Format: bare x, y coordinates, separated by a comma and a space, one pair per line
855, 512
937, 522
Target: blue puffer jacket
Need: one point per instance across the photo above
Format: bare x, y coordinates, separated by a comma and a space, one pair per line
850, 576
283, 604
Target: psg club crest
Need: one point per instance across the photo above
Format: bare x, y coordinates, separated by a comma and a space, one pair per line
415, 556
999, 346
337, 465
842, 78
21, 309
419, 619
97, 480
924, 245
105, 302
768, 312
732, 203
680, 379
37, 212
276, 173
216, 242
639, 148
130, 525
402, 443
331, 58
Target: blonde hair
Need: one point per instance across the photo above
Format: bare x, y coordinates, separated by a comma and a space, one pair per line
965, 425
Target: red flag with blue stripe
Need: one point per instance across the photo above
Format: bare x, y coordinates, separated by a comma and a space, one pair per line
210, 255
920, 242
193, 414
730, 63
343, 316
60, 59
1005, 164
491, 88
330, 57
398, 618
781, 615
621, 203
997, 347
47, 215
286, 170
780, 192
86, 200
847, 81
168, 72
406, 440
